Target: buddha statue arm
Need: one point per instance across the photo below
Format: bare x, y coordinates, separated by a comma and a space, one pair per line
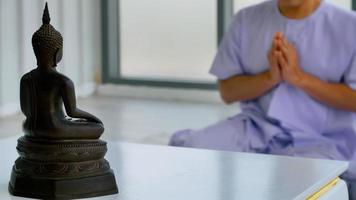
68, 96
24, 97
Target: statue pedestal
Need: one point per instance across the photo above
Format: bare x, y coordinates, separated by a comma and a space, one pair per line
61, 169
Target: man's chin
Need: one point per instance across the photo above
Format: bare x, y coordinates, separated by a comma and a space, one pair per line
291, 3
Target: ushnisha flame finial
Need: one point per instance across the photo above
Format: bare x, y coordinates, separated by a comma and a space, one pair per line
46, 18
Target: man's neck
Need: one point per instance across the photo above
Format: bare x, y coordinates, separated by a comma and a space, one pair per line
299, 11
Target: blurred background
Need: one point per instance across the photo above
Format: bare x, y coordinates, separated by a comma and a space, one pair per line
139, 65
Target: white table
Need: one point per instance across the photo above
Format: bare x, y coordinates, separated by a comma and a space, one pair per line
151, 172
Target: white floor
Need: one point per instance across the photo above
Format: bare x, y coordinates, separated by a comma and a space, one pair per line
139, 120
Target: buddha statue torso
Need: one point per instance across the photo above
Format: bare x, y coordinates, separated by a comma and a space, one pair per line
41, 101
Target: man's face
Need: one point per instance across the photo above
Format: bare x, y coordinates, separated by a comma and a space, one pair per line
292, 3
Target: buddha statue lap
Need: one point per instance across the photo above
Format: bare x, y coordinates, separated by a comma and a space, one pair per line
61, 157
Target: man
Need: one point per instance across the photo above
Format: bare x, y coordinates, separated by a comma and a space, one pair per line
292, 65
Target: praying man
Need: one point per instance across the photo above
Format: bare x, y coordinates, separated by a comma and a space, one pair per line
292, 66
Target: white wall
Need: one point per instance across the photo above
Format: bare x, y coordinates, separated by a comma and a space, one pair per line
79, 23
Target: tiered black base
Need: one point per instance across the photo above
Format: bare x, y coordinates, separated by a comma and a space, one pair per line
61, 170
46, 188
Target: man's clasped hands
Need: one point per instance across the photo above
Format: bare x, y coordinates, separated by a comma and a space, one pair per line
284, 62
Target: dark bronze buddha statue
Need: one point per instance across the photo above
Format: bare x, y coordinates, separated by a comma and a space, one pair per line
61, 157
44, 90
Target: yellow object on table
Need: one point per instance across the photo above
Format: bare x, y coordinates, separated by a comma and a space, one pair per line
324, 190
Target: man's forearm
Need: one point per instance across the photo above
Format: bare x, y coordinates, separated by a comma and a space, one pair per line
336, 95
245, 87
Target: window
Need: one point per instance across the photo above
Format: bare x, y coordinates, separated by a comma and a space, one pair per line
238, 4
347, 4
168, 40
162, 43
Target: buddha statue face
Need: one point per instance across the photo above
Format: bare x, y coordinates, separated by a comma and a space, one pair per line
47, 43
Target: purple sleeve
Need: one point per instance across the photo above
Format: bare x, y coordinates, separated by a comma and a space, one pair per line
350, 74
227, 62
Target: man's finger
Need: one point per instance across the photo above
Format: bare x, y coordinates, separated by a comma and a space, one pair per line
285, 49
275, 38
284, 42
281, 59
278, 35
275, 44
273, 61
276, 55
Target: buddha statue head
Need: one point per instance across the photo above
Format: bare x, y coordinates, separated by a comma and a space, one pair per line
47, 43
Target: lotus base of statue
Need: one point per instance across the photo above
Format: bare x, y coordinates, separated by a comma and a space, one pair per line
61, 170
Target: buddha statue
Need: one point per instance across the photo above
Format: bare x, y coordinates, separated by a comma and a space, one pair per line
61, 155
43, 92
